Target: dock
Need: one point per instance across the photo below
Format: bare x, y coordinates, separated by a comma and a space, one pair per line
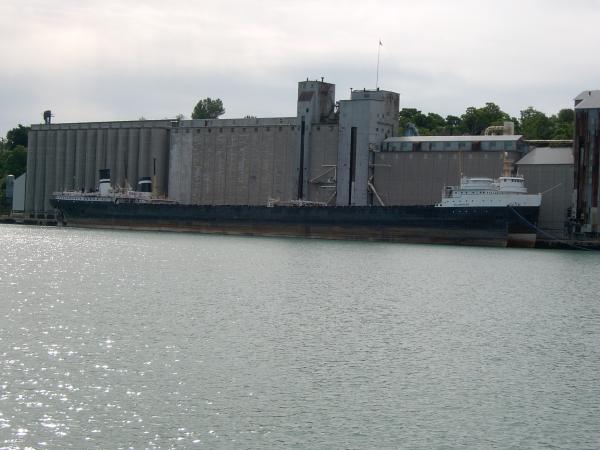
29, 219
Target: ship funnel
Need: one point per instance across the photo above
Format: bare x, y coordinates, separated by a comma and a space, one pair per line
104, 176
145, 184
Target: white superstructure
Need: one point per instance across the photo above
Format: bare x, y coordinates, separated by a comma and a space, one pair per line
503, 191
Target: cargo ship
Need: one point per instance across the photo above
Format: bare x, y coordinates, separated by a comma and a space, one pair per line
481, 211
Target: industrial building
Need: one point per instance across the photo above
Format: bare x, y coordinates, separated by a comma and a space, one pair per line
414, 170
344, 152
339, 153
549, 170
68, 157
587, 161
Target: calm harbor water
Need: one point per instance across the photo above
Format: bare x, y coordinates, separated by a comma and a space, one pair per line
142, 340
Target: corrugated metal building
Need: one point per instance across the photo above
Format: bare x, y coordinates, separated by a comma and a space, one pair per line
414, 170
550, 171
587, 160
322, 155
68, 156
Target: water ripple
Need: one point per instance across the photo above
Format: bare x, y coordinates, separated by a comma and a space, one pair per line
120, 339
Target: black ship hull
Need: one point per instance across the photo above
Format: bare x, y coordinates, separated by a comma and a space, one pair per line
487, 226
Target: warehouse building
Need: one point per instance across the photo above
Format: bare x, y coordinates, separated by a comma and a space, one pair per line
549, 170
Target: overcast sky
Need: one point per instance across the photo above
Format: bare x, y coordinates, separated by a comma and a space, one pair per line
99, 60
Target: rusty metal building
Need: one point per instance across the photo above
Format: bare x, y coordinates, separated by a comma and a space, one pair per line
587, 161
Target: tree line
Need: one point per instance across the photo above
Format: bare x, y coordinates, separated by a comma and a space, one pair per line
532, 124
13, 157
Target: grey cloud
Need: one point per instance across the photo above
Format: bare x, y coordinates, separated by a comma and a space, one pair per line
105, 60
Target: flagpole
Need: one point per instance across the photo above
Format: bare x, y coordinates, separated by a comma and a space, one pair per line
378, 52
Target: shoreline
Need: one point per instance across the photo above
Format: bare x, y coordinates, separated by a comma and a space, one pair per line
556, 244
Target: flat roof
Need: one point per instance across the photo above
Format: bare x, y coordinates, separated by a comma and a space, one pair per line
548, 155
511, 137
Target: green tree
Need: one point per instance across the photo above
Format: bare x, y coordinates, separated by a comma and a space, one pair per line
13, 156
562, 131
414, 116
208, 109
562, 124
17, 136
436, 124
427, 124
566, 115
452, 124
12, 162
475, 120
535, 124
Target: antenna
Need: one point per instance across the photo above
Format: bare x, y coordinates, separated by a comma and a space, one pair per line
378, 52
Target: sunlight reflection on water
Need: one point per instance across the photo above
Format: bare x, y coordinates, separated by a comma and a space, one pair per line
117, 339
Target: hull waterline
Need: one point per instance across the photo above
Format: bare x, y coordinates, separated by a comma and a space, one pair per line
412, 224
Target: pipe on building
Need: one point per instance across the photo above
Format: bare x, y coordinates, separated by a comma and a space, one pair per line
159, 144
377, 196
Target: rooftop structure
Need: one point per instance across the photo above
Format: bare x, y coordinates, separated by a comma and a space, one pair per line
455, 143
588, 99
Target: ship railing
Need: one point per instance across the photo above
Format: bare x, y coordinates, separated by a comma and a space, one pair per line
272, 202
